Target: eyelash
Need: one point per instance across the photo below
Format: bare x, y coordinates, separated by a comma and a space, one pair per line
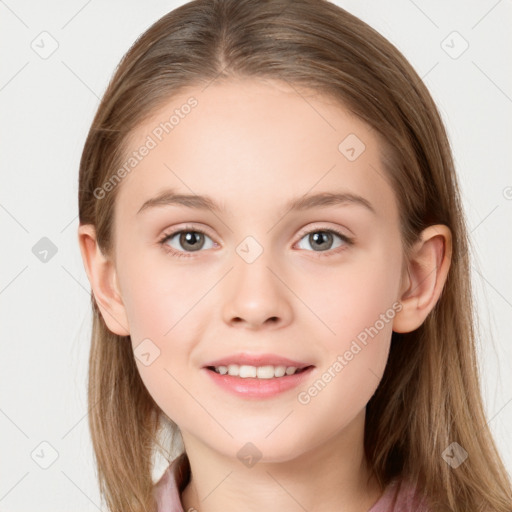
183, 254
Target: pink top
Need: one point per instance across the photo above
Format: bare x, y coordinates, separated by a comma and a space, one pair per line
168, 491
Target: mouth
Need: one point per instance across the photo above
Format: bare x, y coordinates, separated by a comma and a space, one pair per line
258, 372
258, 382
258, 376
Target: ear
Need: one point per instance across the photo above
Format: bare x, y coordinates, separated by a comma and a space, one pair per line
103, 279
424, 277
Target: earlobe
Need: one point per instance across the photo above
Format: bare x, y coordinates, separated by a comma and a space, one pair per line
103, 280
426, 272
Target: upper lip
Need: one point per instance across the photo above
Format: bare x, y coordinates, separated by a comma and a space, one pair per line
257, 360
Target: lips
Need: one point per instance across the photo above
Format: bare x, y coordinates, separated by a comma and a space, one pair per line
259, 388
257, 360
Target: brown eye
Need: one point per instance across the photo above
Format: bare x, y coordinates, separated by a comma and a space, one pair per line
186, 241
191, 240
322, 240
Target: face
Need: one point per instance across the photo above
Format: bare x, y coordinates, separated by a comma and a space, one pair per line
248, 274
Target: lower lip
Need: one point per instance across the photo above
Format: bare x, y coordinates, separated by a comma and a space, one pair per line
258, 388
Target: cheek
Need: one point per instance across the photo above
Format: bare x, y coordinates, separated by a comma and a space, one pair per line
159, 297
356, 306
350, 299
163, 306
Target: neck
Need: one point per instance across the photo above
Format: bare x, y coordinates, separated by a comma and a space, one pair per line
331, 476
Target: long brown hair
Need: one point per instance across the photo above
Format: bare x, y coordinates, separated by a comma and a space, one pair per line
429, 395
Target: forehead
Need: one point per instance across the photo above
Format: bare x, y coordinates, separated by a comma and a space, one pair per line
253, 142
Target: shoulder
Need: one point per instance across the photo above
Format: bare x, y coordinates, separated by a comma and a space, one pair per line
167, 491
400, 495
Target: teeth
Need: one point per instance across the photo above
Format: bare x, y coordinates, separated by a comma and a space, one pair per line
233, 369
260, 372
247, 371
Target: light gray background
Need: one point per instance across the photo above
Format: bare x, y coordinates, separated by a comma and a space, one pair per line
47, 107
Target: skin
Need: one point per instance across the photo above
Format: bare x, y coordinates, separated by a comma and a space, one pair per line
252, 145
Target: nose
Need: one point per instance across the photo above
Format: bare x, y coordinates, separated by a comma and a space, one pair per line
256, 296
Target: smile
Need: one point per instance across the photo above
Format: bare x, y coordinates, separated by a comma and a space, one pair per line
257, 382
259, 372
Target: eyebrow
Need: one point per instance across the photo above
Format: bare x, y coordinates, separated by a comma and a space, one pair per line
170, 197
